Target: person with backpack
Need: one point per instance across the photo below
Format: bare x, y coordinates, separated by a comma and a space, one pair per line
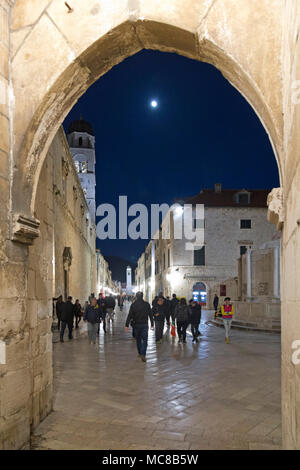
181, 316
227, 310
109, 305
195, 319
92, 316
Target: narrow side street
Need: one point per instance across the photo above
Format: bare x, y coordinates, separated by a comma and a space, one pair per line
206, 396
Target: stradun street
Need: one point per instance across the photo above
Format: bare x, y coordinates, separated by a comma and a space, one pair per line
211, 395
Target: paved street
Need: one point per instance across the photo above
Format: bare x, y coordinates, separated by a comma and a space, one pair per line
206, 396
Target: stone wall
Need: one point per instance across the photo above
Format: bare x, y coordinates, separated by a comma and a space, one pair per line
290, 247
73, 224
26, 380
64, 222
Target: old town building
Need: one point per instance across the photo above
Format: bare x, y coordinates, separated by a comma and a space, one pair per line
234, 221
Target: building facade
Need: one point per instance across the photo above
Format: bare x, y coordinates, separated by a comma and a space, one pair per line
234, 222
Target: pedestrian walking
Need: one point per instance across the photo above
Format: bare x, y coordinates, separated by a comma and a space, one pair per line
67, 319
174, 303
139, 314
92, 316
100, 302
227, 313
182, 319
159, 312
109, 305
168, 309
195, 319
58, 309
77, 313
216, 304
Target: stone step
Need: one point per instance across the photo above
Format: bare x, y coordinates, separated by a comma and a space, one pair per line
238, 325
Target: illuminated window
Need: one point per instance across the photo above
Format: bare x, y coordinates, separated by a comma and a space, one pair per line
77, 166
84, 167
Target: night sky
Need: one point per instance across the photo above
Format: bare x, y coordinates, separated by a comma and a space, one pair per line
202, 132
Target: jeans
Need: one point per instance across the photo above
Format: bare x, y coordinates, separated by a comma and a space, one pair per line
227, 325
63, 327
110, 313
181, 329
159, 329
92, 331
141, 336
195, 330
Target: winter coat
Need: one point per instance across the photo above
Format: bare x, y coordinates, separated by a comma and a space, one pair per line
139, 313
68, 312
109, 302
195, 314
160, 311
92, 314
182, 313
173, 304
77, 310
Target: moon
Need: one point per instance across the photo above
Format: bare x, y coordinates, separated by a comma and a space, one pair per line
154, 103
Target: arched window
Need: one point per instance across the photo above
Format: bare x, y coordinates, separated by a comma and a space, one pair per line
80, 142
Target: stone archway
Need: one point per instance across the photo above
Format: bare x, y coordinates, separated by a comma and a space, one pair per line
49, 64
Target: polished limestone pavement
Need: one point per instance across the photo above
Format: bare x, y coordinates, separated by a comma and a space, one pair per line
211, 395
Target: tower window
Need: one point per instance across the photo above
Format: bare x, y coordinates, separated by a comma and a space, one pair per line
84, 167
80, 142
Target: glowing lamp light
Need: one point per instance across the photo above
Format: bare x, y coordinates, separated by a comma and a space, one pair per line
154, 104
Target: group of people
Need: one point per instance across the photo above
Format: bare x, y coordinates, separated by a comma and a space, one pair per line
163, 311
167, 310
94, 312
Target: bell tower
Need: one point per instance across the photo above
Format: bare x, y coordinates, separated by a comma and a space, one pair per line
81, 140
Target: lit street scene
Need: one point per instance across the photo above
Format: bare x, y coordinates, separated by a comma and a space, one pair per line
149, 228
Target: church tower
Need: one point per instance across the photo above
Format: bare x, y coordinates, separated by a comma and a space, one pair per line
128, 280
81, 140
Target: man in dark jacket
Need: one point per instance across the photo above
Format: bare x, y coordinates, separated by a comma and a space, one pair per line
101, 303
216, 304
168, 309
174, 303
159, 312
58, 308
139, 314
67, 318
195, 318
92, 315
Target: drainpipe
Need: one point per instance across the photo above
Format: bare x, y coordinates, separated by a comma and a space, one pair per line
249, 280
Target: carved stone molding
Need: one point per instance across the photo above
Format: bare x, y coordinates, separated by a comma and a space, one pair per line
25, 229
276, 213
65, 167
